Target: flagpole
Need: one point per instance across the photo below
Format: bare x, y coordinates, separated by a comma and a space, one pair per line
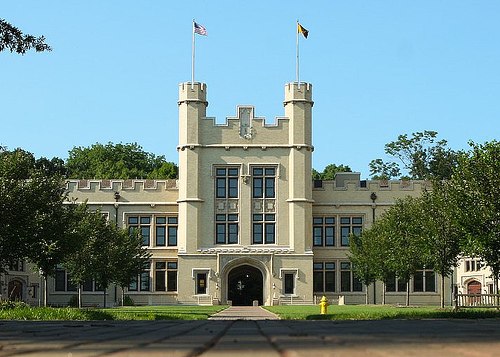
297, 58
192, 61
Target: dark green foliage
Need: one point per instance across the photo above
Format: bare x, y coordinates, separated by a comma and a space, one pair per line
422, 155
330, 171
12, 39
475, 196
118, 161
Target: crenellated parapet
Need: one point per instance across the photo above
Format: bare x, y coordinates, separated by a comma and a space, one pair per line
365, 192
111, 191
121, 185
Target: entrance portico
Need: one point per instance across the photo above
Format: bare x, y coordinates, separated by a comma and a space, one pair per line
245, 280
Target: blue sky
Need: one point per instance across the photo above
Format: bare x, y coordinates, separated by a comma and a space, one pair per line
378, 69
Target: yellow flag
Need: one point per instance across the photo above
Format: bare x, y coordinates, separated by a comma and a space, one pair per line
302, 30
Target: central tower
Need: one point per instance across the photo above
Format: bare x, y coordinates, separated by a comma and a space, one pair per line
245, 199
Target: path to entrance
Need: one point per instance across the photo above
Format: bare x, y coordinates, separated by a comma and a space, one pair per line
241, 338
244, 313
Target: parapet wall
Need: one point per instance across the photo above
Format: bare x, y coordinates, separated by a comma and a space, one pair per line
131, 191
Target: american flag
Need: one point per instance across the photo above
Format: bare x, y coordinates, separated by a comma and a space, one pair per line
200, 30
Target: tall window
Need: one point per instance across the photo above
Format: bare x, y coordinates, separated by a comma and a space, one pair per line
324, 231
395, 284
143, 225
264, 228
143, 281
324, 277
166, 231
349, 225
226, 182
348, 281
226, 212
226, 228
165, 276
63, 280
264, 182
424, 281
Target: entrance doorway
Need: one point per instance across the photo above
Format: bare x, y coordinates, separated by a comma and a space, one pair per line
474, 288
245, 285
15, 290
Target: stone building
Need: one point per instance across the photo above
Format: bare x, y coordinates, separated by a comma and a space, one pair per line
245, 223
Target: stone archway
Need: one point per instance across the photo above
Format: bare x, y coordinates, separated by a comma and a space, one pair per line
245, 284
15, 290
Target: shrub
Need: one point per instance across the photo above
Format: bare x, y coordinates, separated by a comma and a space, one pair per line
127, 301
73, 301
10, 304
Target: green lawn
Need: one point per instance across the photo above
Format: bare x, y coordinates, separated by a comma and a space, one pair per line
177, 312
184, 312
377, 312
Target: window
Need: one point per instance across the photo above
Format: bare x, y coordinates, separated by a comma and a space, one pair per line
17, 265
264, 228
289, 283
226, 182
141, 224
473, 265
164, 228
171, 276
324, 277
349, 225
226, 228
160, 276
143, 281
395, 284
348, 281
201, 283
60, 280
424, 281
165, 276
166, 231
324, 231
264, 182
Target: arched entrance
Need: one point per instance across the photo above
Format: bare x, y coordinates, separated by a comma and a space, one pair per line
245, 284
15, 290
474, 287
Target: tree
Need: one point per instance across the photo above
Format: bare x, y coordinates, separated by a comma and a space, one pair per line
380, 170
440, 233
422, 155
117, 161
131, 257
401, 225
475, 193
48, 238
14, 40
54, 166
363, 249
29, 204
106, 253
330, 171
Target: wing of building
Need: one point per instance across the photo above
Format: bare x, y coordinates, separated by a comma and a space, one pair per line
244, 223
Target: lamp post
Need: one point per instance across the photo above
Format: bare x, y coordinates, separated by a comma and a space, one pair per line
116, 204
373, 197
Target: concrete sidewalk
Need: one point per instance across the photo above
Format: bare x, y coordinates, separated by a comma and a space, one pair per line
244, 313
285, 338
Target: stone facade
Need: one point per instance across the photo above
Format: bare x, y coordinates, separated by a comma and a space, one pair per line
244, 223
